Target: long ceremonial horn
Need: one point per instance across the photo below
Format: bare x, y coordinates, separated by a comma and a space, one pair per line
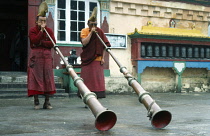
159, 118
105, 119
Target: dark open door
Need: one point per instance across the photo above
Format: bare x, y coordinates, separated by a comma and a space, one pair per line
13, 35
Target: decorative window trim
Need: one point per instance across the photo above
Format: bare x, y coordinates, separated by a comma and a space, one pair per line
67, 25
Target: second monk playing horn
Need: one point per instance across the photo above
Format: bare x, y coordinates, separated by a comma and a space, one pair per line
92, 57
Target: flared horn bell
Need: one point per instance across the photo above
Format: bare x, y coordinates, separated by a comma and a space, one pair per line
161, 119
105, 120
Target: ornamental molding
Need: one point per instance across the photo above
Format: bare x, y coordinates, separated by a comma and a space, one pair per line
158, 11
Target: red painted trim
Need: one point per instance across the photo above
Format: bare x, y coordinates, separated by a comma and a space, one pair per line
33, 6
34, 2
171, 60
139, 40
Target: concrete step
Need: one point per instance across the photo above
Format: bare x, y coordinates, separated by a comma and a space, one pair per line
9, 77
22, 92
19, 77
12, 73
14, 95
22, 85
14, 85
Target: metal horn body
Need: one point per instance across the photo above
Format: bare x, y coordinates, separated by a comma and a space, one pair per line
105, 119
159, 118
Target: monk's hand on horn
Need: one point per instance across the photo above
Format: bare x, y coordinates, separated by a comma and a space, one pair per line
43, 25
102, 61
93, 29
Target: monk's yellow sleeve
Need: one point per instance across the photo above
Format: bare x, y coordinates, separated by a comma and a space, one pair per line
84, 33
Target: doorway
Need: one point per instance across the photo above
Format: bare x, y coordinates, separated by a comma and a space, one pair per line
13, 35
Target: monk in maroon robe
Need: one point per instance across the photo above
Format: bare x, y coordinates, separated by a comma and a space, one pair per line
92, 58
40, 63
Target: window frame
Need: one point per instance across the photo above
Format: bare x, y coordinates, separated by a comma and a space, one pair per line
67, 18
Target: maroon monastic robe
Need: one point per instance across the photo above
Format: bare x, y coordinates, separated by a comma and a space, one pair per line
92, 71
40, 63
94, 48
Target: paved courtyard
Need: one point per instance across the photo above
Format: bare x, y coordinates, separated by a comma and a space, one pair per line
190, 116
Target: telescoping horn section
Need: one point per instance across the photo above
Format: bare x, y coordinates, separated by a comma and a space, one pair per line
105, 119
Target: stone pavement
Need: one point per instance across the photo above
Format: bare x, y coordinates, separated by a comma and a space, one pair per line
190, 116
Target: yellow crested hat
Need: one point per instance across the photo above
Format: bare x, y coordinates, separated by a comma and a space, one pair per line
93, 16
43, 9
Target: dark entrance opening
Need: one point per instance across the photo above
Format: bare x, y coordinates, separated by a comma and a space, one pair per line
13, 35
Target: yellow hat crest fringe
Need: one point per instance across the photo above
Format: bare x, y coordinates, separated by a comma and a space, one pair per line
93, 16
43, 9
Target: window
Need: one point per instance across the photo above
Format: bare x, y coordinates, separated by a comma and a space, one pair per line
72, 16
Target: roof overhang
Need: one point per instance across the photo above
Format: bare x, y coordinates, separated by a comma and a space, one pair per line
169, 33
